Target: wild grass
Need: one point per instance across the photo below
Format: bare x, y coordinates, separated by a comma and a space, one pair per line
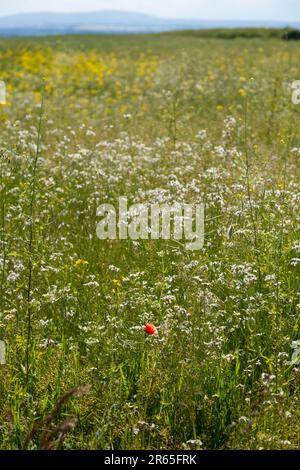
159, 118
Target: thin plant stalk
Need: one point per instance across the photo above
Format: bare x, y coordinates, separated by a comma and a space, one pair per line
31, 239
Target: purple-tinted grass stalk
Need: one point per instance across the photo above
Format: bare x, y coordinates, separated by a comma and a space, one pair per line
279, 257
31, 237
3, 238
249, 196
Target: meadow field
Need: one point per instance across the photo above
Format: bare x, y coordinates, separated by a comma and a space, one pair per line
162, 119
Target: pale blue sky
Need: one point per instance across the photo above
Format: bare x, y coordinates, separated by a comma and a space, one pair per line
203, 9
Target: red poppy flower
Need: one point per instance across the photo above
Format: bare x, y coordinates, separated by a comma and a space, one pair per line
150, 329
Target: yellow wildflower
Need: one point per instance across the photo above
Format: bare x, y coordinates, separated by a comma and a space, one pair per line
80, 262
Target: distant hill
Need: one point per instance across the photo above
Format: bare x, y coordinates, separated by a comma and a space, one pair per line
113, 22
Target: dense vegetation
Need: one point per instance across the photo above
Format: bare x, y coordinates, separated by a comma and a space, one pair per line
246, 33
161, 118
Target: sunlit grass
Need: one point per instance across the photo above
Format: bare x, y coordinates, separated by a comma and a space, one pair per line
127, 117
